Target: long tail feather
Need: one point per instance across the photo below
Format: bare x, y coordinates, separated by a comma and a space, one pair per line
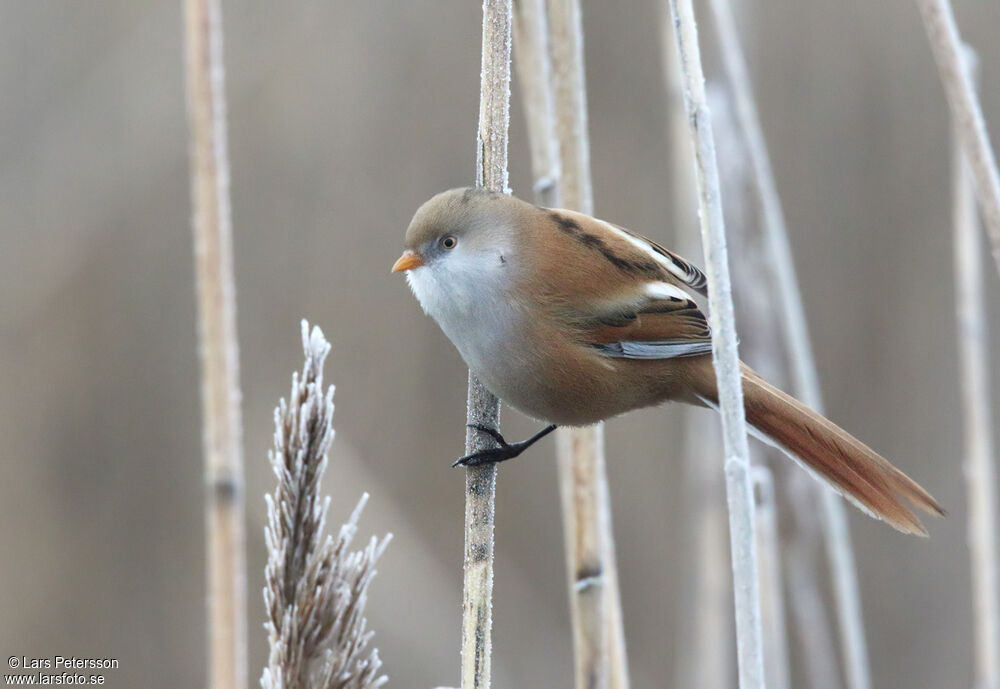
852, 468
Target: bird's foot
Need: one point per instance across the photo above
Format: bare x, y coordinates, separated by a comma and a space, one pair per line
499, 454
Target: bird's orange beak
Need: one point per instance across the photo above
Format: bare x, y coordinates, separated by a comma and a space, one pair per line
408, 261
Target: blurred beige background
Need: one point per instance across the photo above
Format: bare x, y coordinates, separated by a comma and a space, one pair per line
344, 116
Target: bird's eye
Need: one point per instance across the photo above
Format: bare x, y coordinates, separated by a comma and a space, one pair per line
449, 242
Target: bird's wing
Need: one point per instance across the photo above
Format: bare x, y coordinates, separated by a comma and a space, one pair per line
657, 329
625, 295
681, 268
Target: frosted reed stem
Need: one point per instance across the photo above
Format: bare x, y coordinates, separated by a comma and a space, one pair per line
704, 648
739, 490
974, 372
805, 378
483, 407
967, 113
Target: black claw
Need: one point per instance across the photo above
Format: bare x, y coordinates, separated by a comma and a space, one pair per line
492, 456
504, 452
492, 432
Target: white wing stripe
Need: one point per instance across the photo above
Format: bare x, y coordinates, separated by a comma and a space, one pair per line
664, 261
664, 290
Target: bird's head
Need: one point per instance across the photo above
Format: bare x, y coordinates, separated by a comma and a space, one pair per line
458, 243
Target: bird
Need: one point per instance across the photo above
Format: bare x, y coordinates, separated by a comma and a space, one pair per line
573, 320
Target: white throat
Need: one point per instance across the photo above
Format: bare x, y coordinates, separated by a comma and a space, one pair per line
468, 294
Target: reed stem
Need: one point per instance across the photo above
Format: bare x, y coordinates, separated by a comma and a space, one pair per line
483, 407
739, 491
217, 345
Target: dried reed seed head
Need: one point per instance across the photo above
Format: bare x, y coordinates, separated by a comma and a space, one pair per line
315, 590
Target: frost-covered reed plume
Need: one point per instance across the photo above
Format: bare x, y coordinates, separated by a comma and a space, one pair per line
316, 587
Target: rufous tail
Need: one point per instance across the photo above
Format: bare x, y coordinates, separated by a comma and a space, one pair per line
852, 468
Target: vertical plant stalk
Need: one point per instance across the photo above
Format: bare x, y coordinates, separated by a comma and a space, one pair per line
704, 635
725, 355
768, 540
814, 640
805, 378
966, 112
753, 279
705, 624
595, 601
980, 469
534, 72
570, 103
579, 454
483, 407
218, 350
